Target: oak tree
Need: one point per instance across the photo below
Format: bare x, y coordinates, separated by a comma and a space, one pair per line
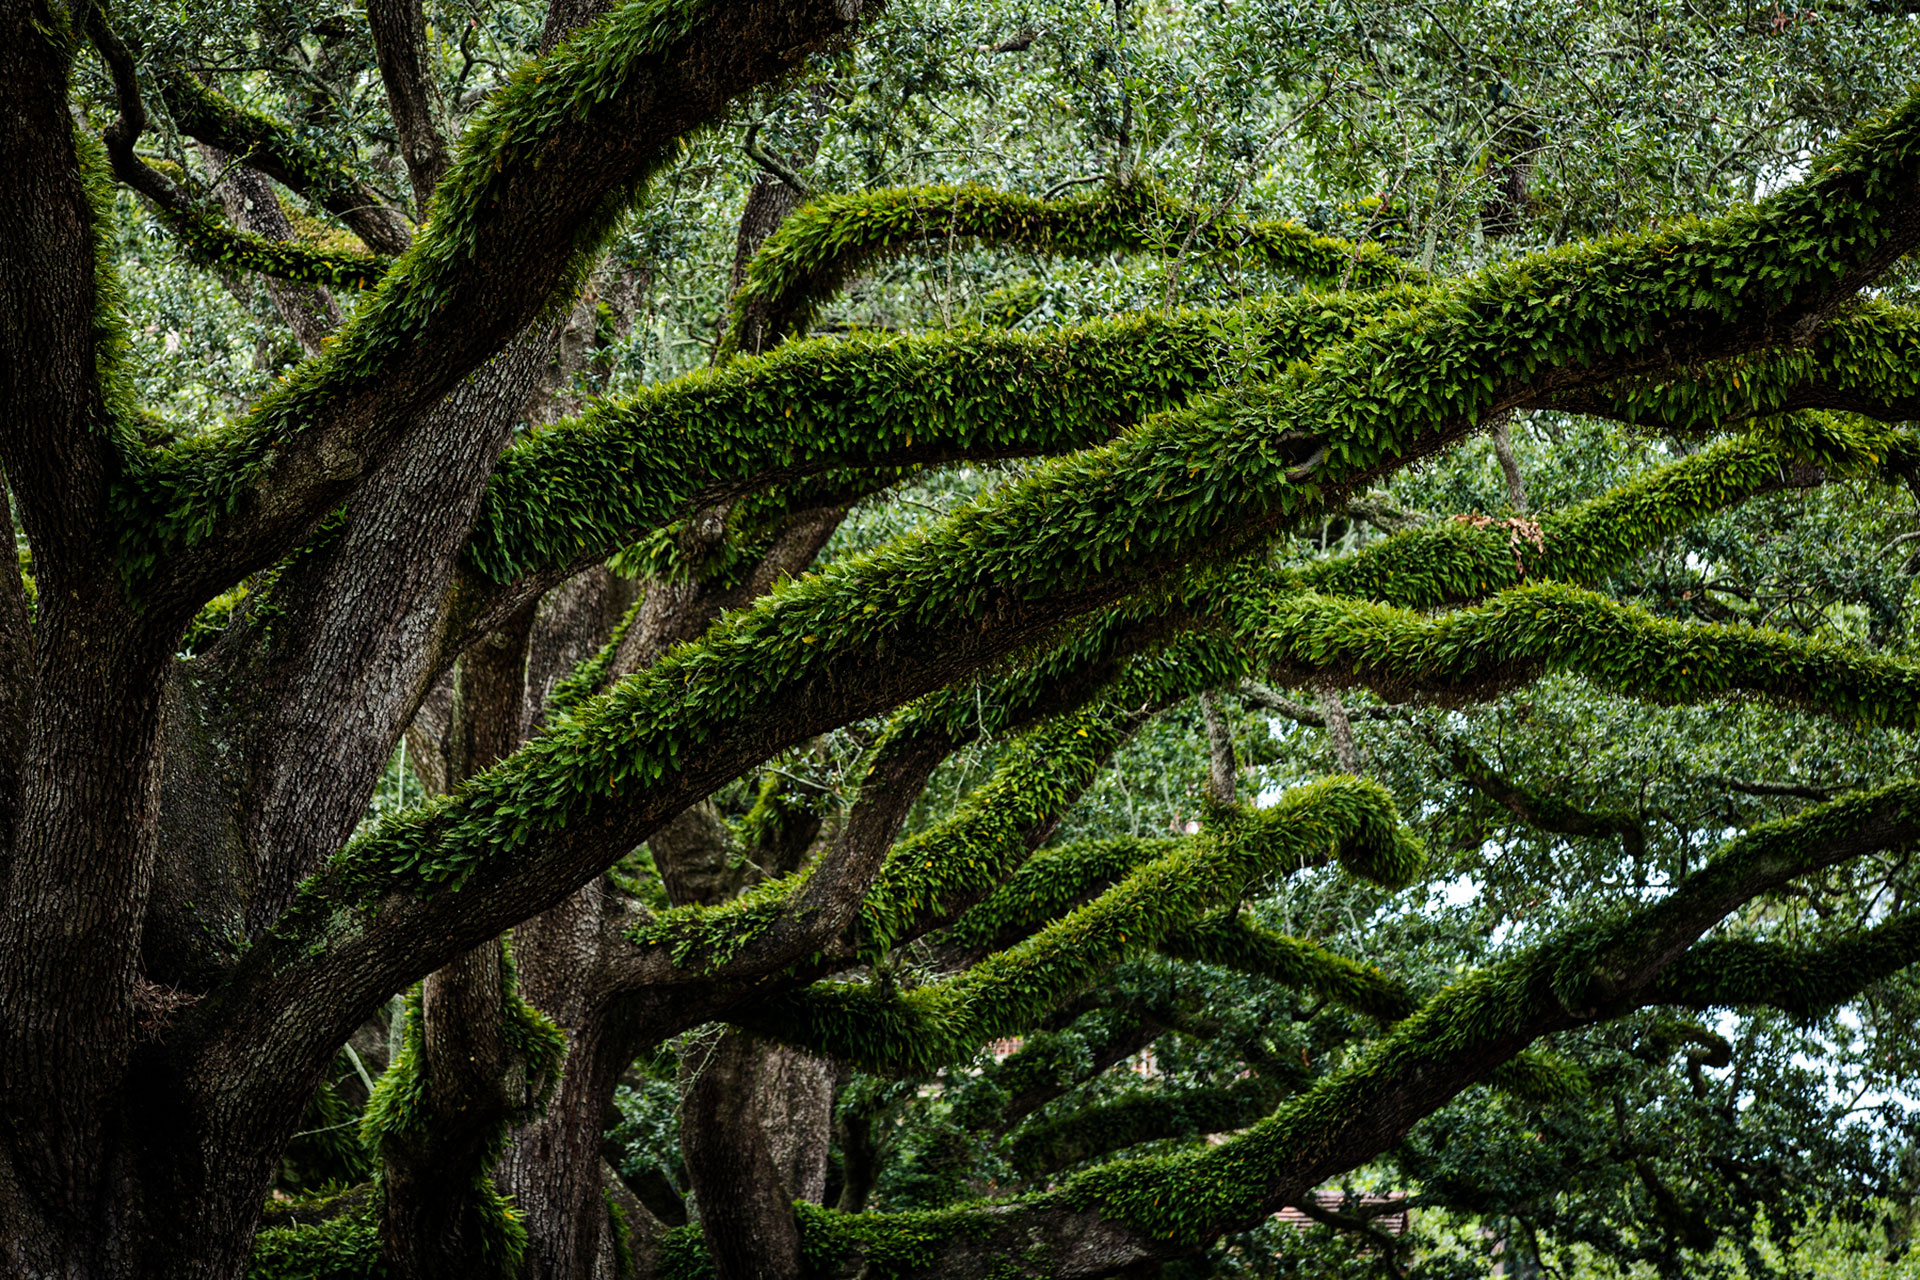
221, 630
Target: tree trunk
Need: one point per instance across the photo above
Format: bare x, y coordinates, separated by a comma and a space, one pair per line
745, 1199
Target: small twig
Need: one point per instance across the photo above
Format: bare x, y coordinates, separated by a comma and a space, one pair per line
771, 163
1064, 183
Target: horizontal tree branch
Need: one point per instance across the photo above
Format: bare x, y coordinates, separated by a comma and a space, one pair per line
1805, 981
1525, 631
1454, 561
824, 244
595, 483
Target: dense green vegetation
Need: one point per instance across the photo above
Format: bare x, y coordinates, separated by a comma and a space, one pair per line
963, 638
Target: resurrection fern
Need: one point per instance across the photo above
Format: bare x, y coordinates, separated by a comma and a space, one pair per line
827, 242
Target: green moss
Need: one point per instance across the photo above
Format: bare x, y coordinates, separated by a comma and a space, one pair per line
211, 241
1453, 561
346, 1247
594, 483
1231, 942
915, 1031
825, 243
1548, 626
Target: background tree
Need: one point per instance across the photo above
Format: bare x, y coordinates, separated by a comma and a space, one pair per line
423, 456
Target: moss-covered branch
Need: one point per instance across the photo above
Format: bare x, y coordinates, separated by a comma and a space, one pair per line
1528, 630
1056, 881
1738, 973
1866, 360
593, 483
211, 241
1142, 1115
268, 145
917, 1030
1232, 942
1546, 812
824, 244
1133, 1211
1453, 561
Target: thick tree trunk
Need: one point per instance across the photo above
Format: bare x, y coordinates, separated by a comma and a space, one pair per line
744, 1196
438, 1222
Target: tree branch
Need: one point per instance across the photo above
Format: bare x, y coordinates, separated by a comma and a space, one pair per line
824, 244
551, 162
1527, 630
413, 98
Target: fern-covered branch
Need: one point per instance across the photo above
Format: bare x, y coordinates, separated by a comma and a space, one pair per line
592, 484
1133, 1211
1209, 481
1529, 630
1232, 942
1805, 981
824, 244
1453, 561
915, 1031
268, 145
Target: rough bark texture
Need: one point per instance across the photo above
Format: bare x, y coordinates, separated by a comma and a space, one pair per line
163, 1026
252, 204
744, 1194
768, 203
400, 46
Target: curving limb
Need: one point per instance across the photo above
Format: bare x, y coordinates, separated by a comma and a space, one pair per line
1804, 981
1544, 811
590, 485
824, 244
1527, 630
1233, 942
917, 1030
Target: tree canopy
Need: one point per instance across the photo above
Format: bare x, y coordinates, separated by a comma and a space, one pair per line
713, 637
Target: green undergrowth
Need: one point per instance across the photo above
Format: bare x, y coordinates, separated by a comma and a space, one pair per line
346, 1247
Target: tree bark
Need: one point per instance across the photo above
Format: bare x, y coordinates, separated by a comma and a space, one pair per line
251, 203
